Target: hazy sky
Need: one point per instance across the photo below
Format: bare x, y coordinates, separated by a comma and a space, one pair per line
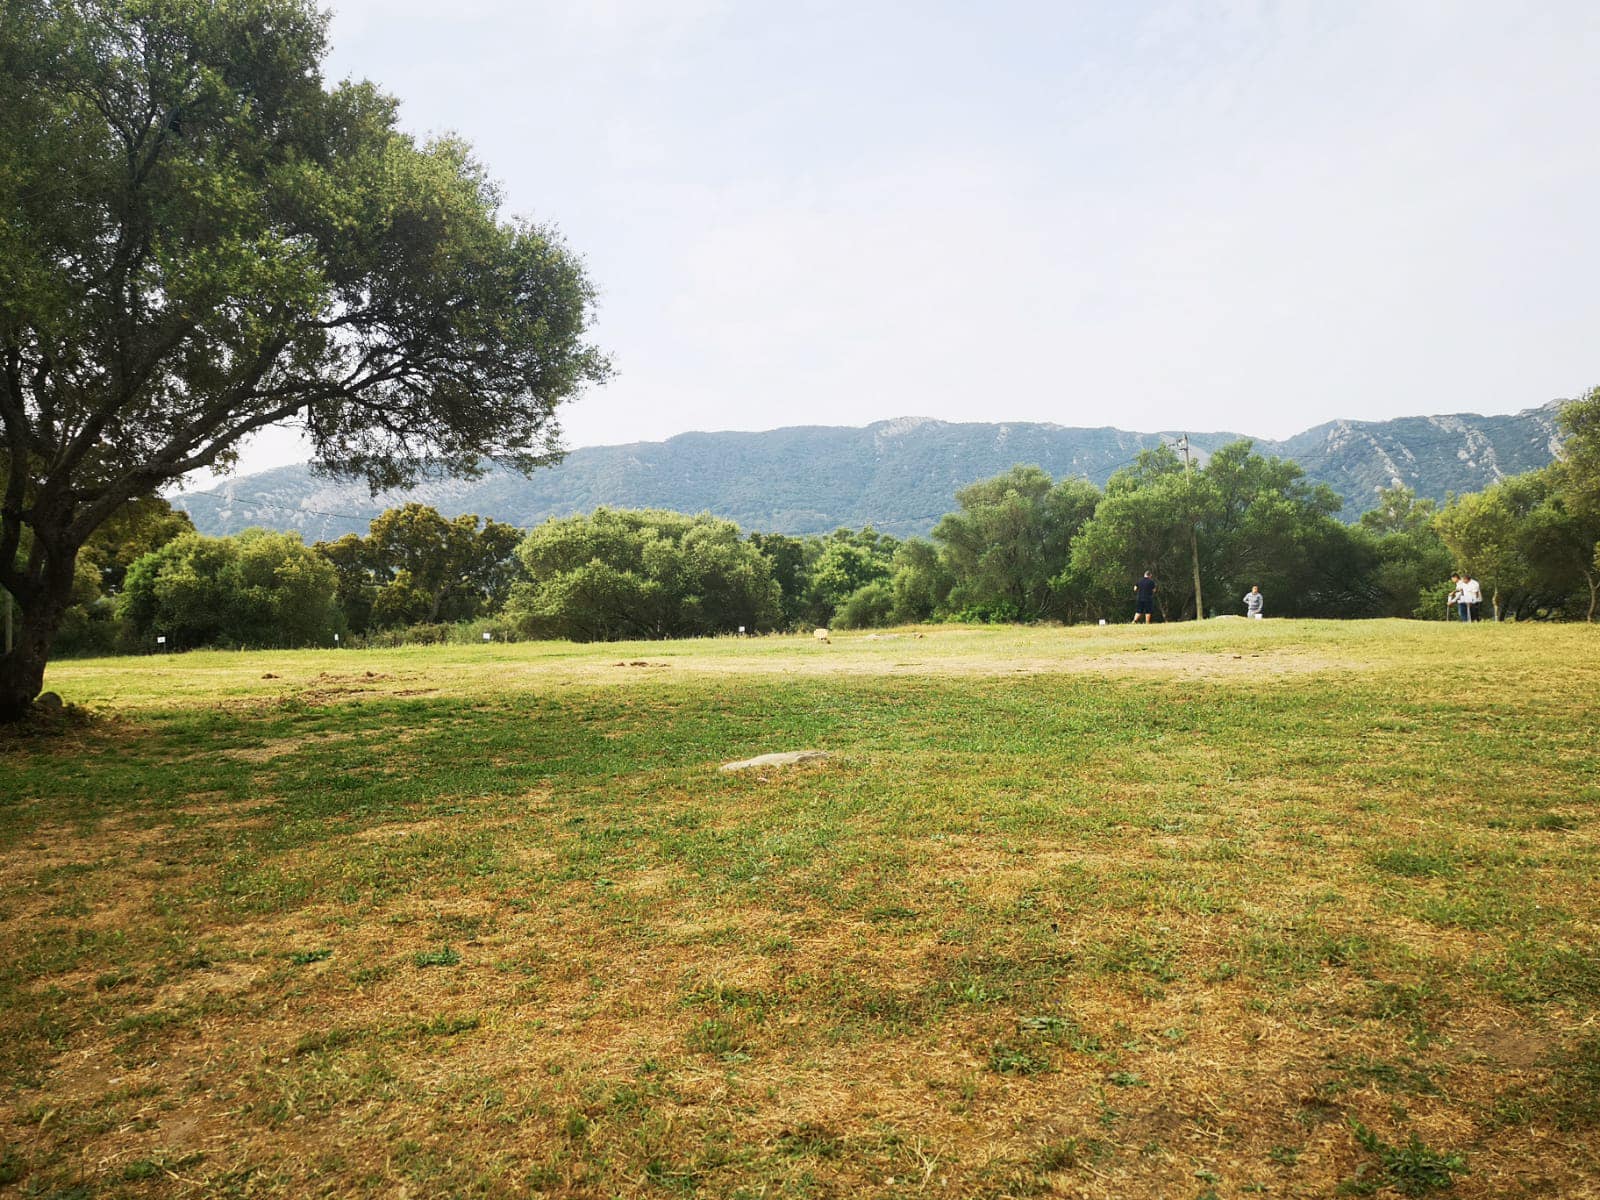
1233, 215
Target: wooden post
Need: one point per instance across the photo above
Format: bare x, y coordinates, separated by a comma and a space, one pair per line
1194, 540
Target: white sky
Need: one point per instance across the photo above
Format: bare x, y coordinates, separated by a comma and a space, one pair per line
1231, 214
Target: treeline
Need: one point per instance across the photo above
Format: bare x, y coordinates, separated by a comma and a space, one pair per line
1018, 547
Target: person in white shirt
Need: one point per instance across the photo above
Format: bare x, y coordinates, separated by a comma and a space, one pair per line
1471, 596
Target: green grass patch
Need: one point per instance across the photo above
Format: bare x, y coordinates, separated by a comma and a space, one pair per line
1060, 906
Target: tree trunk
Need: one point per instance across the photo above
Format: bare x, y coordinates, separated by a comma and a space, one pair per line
22, 670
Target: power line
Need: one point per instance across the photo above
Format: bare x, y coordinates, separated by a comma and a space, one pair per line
1127, 462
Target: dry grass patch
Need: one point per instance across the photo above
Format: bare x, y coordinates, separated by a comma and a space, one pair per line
1061, 915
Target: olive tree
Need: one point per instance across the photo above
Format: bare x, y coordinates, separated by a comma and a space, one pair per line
257, 588
1141, 523
1010, 539
200, 238
431, 568
622, 573
1579, 473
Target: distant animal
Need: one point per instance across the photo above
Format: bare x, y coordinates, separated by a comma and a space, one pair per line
820, 634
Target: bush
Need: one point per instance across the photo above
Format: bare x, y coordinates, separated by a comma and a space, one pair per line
618, 574
1433, 604
999, 612
88, 630
256, 588
867, 607
463, 633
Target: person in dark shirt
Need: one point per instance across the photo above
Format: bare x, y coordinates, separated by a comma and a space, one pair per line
1144, 598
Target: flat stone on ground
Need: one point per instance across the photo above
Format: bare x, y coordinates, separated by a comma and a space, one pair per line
786, 759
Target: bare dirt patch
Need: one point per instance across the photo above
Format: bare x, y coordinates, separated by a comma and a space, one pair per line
208, 983
397, 831
283, 747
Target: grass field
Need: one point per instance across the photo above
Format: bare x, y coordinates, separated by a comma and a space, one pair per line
1278, 908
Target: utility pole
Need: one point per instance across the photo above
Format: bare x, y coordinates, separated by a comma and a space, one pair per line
1194, 540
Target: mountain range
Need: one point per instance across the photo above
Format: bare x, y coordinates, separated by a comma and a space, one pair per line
899, 476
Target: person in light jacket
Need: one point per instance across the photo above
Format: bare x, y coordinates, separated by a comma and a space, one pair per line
1254, 603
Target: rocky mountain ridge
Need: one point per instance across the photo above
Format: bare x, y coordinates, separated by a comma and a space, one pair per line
899, 475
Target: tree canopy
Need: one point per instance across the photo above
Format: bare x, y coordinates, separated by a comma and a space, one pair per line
1257, 520
1579, 461
199, 238
1531, 539
1009, 539
1019, 547
257, 588
429, 568
641, 574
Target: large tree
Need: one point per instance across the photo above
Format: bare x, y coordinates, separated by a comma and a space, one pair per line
787, 558
257, 588
621, 573
846, 561
1580, 453
1010, 539
430, 568
1255, 520
1563, 544
1408, 561
1487, 533
199, 239
1263, 522
1141, 524
1577, 478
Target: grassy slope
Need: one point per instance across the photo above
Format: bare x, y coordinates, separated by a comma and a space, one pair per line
1196, 910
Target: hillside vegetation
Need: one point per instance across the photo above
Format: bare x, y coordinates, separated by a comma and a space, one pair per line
1220, 909
899, 476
